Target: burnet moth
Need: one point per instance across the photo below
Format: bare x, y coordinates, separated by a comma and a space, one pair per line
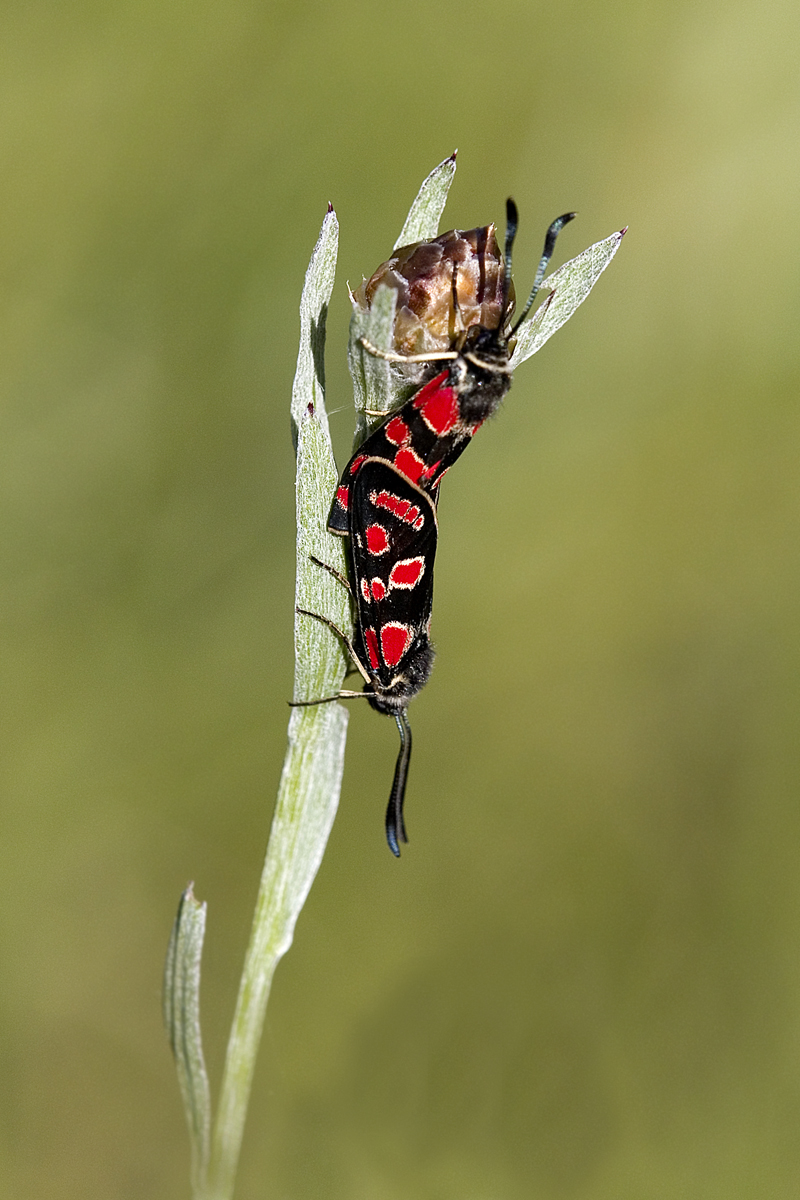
393, 532
457, 302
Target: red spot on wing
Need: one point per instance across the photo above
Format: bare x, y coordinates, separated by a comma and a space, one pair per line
406, 573
365, 590
409, 463
403, 509
356, 463
397, 432
378, 589
440, 410
377, 539
372, 648
343, 496
395, 639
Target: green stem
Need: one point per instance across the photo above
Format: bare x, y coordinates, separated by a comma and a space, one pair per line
303, 819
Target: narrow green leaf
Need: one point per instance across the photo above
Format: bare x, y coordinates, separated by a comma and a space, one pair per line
377, 387
320, 658
422, 222
182, 1020
309, 380
569, 286
308, 794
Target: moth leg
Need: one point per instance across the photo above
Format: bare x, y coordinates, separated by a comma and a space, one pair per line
345, 582
327, 699
343, 636
391, 356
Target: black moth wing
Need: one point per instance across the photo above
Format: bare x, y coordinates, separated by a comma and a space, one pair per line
393, 537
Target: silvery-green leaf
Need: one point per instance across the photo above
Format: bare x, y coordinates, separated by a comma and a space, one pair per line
422, 222
377, 387
569, 286
181, 1004
308, 794
319, 659
309, 380
371, 374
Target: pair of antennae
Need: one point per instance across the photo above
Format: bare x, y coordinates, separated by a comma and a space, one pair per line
512, 223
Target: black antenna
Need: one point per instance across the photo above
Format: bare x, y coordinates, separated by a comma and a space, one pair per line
512, 223
547, 254
395, 826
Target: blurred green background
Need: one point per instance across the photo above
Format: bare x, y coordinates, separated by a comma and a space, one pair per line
581, 981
